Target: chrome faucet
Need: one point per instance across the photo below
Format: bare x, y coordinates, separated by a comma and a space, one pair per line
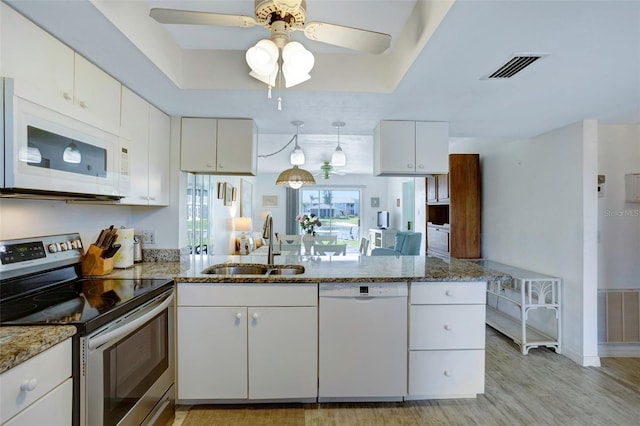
267, 232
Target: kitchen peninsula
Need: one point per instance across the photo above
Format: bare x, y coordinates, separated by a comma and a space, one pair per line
258, 337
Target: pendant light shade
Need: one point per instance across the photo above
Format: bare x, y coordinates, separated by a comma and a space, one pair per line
72, 154
297, 155
295, 177
338, 158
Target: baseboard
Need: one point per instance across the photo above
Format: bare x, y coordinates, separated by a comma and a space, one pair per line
584, 361
622, 350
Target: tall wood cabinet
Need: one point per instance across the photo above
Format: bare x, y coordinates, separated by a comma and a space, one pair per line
453, 209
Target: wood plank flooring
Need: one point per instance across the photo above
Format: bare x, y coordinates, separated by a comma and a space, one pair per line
541, 388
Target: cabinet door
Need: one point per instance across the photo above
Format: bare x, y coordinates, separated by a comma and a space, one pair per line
438, 239
283, 352
394, 148
55, 408
212, 353
135, 128
442, 192
198, 145
432, 147
236, 146
98, 94
431, 189
41, 65
159, 157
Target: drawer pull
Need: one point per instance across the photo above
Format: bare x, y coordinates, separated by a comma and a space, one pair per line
238, 315
29, 385
447, 373
448, 293
254, 316
447, 327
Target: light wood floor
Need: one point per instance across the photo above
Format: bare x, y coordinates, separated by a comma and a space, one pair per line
541, 388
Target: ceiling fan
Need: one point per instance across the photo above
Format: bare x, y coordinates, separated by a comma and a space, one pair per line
327, 170
282, 17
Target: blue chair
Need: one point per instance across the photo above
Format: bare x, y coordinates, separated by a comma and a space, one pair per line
407, 244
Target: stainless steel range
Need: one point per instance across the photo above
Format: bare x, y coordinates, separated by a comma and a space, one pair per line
123, 359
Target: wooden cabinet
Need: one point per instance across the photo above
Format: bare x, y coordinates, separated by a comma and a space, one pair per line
410, 148
40, 390
220, 146
446, 340
49, 73
148, 132
247, 341
453, 206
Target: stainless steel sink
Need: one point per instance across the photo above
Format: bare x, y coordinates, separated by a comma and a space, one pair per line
242, 269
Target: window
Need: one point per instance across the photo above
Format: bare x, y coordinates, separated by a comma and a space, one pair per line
338, 210
200, 193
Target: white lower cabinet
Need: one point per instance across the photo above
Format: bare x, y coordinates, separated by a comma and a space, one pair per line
247, 341
446, 340
40, 390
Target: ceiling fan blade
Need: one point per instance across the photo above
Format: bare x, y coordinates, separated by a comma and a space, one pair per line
189, 17
351, 38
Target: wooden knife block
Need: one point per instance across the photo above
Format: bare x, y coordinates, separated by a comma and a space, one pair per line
94, 264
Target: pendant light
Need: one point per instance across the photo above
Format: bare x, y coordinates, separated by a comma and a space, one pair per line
297, 155
338, 158
72, 154
295, 177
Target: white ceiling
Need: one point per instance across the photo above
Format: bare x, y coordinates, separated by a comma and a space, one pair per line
433, 71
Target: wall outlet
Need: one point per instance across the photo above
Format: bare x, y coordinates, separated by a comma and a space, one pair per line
149, 236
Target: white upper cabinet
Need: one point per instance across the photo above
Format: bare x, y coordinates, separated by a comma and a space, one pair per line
49, 73
410, 148
148, 131
221, 146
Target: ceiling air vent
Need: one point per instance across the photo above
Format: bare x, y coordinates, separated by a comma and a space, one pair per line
515, 64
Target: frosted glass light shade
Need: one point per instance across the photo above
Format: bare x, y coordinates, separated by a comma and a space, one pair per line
297, 63
262, 57
338, 158
72, 154
30, 154
297, 155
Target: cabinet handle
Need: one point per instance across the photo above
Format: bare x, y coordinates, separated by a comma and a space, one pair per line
238, 315
220, 166
447, 327
151, 198
29, 385
83, 104
67, 96
448, 293
255, 315
421, 166
409, 166
209, 165
447, 373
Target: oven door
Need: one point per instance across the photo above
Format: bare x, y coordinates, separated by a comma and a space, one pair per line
129, 374
48, 151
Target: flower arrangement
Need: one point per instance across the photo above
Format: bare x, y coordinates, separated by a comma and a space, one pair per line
308, 223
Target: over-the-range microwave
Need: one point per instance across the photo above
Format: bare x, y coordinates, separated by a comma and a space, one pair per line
50, 155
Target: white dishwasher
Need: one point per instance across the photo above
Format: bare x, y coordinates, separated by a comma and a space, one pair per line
362, 342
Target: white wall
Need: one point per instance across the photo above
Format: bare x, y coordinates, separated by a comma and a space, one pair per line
618, 221
539, 205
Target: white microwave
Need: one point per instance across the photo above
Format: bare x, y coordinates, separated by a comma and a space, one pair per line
47, 154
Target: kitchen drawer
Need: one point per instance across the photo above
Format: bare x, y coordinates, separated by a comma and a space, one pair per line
233, 294
448, 293
54, 409
445, 374
48, 369
447, 327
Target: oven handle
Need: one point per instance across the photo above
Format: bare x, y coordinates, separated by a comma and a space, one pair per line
128, 327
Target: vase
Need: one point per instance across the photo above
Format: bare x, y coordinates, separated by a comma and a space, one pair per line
307, 240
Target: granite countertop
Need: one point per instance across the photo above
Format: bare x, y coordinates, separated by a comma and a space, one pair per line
350, 268
18, 344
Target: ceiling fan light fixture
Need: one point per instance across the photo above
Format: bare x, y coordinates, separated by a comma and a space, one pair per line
263, 57
287, 6
295, 177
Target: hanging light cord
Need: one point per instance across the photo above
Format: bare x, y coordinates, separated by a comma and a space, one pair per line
295, 137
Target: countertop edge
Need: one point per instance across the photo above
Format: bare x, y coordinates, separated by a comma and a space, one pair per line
21, 343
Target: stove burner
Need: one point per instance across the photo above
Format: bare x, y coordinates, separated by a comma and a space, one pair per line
17, 309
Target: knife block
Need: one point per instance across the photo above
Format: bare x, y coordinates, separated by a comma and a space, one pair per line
94, 264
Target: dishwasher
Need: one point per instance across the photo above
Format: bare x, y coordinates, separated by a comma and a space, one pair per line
362, 342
